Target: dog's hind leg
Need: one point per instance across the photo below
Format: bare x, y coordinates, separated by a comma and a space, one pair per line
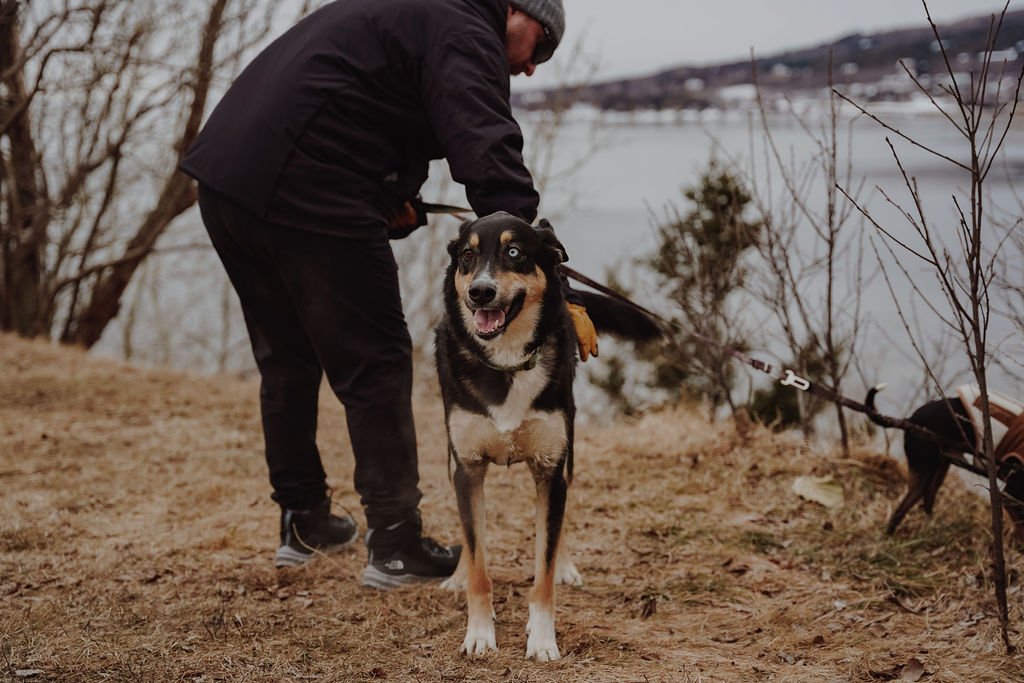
552, 488
565, 569
469, 492
935, 479
459, 580
1015, 507
914, 494
923, 464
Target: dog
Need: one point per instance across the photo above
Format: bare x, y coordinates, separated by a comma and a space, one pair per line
506, 357
949, 418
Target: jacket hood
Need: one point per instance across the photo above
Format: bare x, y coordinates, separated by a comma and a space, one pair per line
495, 12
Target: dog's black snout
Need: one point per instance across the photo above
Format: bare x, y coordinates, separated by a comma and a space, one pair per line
482, 292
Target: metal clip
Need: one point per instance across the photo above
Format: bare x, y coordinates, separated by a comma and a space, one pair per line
794, 380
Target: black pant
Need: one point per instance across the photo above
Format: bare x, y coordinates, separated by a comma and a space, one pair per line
322, 304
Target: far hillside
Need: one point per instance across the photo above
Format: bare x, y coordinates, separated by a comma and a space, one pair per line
867, 60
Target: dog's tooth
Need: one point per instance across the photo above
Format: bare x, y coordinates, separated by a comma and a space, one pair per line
488, 320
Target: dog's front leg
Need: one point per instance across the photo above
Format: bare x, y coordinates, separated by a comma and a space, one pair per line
551, 494
469, 492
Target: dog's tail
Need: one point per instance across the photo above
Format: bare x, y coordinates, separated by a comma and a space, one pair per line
620, 319
874, 415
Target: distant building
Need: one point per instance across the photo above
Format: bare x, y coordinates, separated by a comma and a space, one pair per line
998, 56
738, 94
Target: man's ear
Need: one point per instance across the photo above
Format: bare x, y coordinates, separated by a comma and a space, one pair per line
547, 237
453, 246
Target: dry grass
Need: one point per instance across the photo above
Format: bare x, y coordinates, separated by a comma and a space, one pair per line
136, 536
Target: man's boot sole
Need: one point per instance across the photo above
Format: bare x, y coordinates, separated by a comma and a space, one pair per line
287, 556
375, 578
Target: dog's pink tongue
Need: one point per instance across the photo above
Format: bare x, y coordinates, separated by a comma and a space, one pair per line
488, 321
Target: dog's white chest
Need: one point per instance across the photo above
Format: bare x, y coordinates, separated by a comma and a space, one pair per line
538, 436
526, 386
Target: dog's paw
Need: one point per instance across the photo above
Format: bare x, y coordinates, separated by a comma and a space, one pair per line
454, 583
540, 641
478, 640
542, 649
567, 574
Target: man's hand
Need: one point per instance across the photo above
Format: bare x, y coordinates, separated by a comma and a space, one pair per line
403, 219
586, 335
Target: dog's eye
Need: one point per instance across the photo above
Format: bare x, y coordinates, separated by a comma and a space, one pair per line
467, 256
514, 252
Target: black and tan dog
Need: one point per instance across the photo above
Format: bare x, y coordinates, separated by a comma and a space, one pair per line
506, 357
927, 468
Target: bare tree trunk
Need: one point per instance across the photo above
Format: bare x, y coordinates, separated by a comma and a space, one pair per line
98, 101
22, 232
979, 315
833, 357
177, 196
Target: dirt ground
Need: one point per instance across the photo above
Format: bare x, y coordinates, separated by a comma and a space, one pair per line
136, 536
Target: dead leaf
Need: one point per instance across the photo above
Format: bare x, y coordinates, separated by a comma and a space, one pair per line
27, 673
824, 490
878, 631
913, 670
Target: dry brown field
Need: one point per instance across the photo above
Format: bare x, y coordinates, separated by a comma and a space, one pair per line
136, 536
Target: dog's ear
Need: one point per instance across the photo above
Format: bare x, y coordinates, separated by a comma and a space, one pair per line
453, 246
546, 233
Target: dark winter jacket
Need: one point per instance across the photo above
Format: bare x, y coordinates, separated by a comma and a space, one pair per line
335, 122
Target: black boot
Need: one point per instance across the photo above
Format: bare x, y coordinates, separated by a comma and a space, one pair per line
401, 555
307, 532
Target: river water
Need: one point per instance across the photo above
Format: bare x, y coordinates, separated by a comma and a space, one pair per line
625, 169
637, 165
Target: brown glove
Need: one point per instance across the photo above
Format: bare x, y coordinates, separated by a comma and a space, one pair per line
586, 335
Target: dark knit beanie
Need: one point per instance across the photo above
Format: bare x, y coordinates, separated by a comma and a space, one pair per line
549, 13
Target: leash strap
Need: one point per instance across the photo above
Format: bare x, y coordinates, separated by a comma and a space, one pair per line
789, 378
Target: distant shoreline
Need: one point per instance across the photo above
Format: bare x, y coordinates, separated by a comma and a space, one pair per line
800, 105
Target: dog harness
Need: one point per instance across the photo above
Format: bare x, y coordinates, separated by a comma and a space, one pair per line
528, 364
1007, 424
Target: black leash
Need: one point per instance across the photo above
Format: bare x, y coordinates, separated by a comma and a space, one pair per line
789, 378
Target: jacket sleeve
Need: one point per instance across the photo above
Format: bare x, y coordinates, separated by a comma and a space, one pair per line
466, 96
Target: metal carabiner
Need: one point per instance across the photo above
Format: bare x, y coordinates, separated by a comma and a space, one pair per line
794, 380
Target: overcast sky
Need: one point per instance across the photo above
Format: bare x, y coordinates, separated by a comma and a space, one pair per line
635, 37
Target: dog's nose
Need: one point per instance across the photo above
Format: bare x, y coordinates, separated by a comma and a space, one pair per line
482, 292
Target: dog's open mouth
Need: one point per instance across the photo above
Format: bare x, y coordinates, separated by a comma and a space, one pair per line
490, 322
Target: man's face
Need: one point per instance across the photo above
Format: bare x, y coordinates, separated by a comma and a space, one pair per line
522, 36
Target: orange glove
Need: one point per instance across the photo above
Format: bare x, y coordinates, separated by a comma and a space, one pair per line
586, 335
